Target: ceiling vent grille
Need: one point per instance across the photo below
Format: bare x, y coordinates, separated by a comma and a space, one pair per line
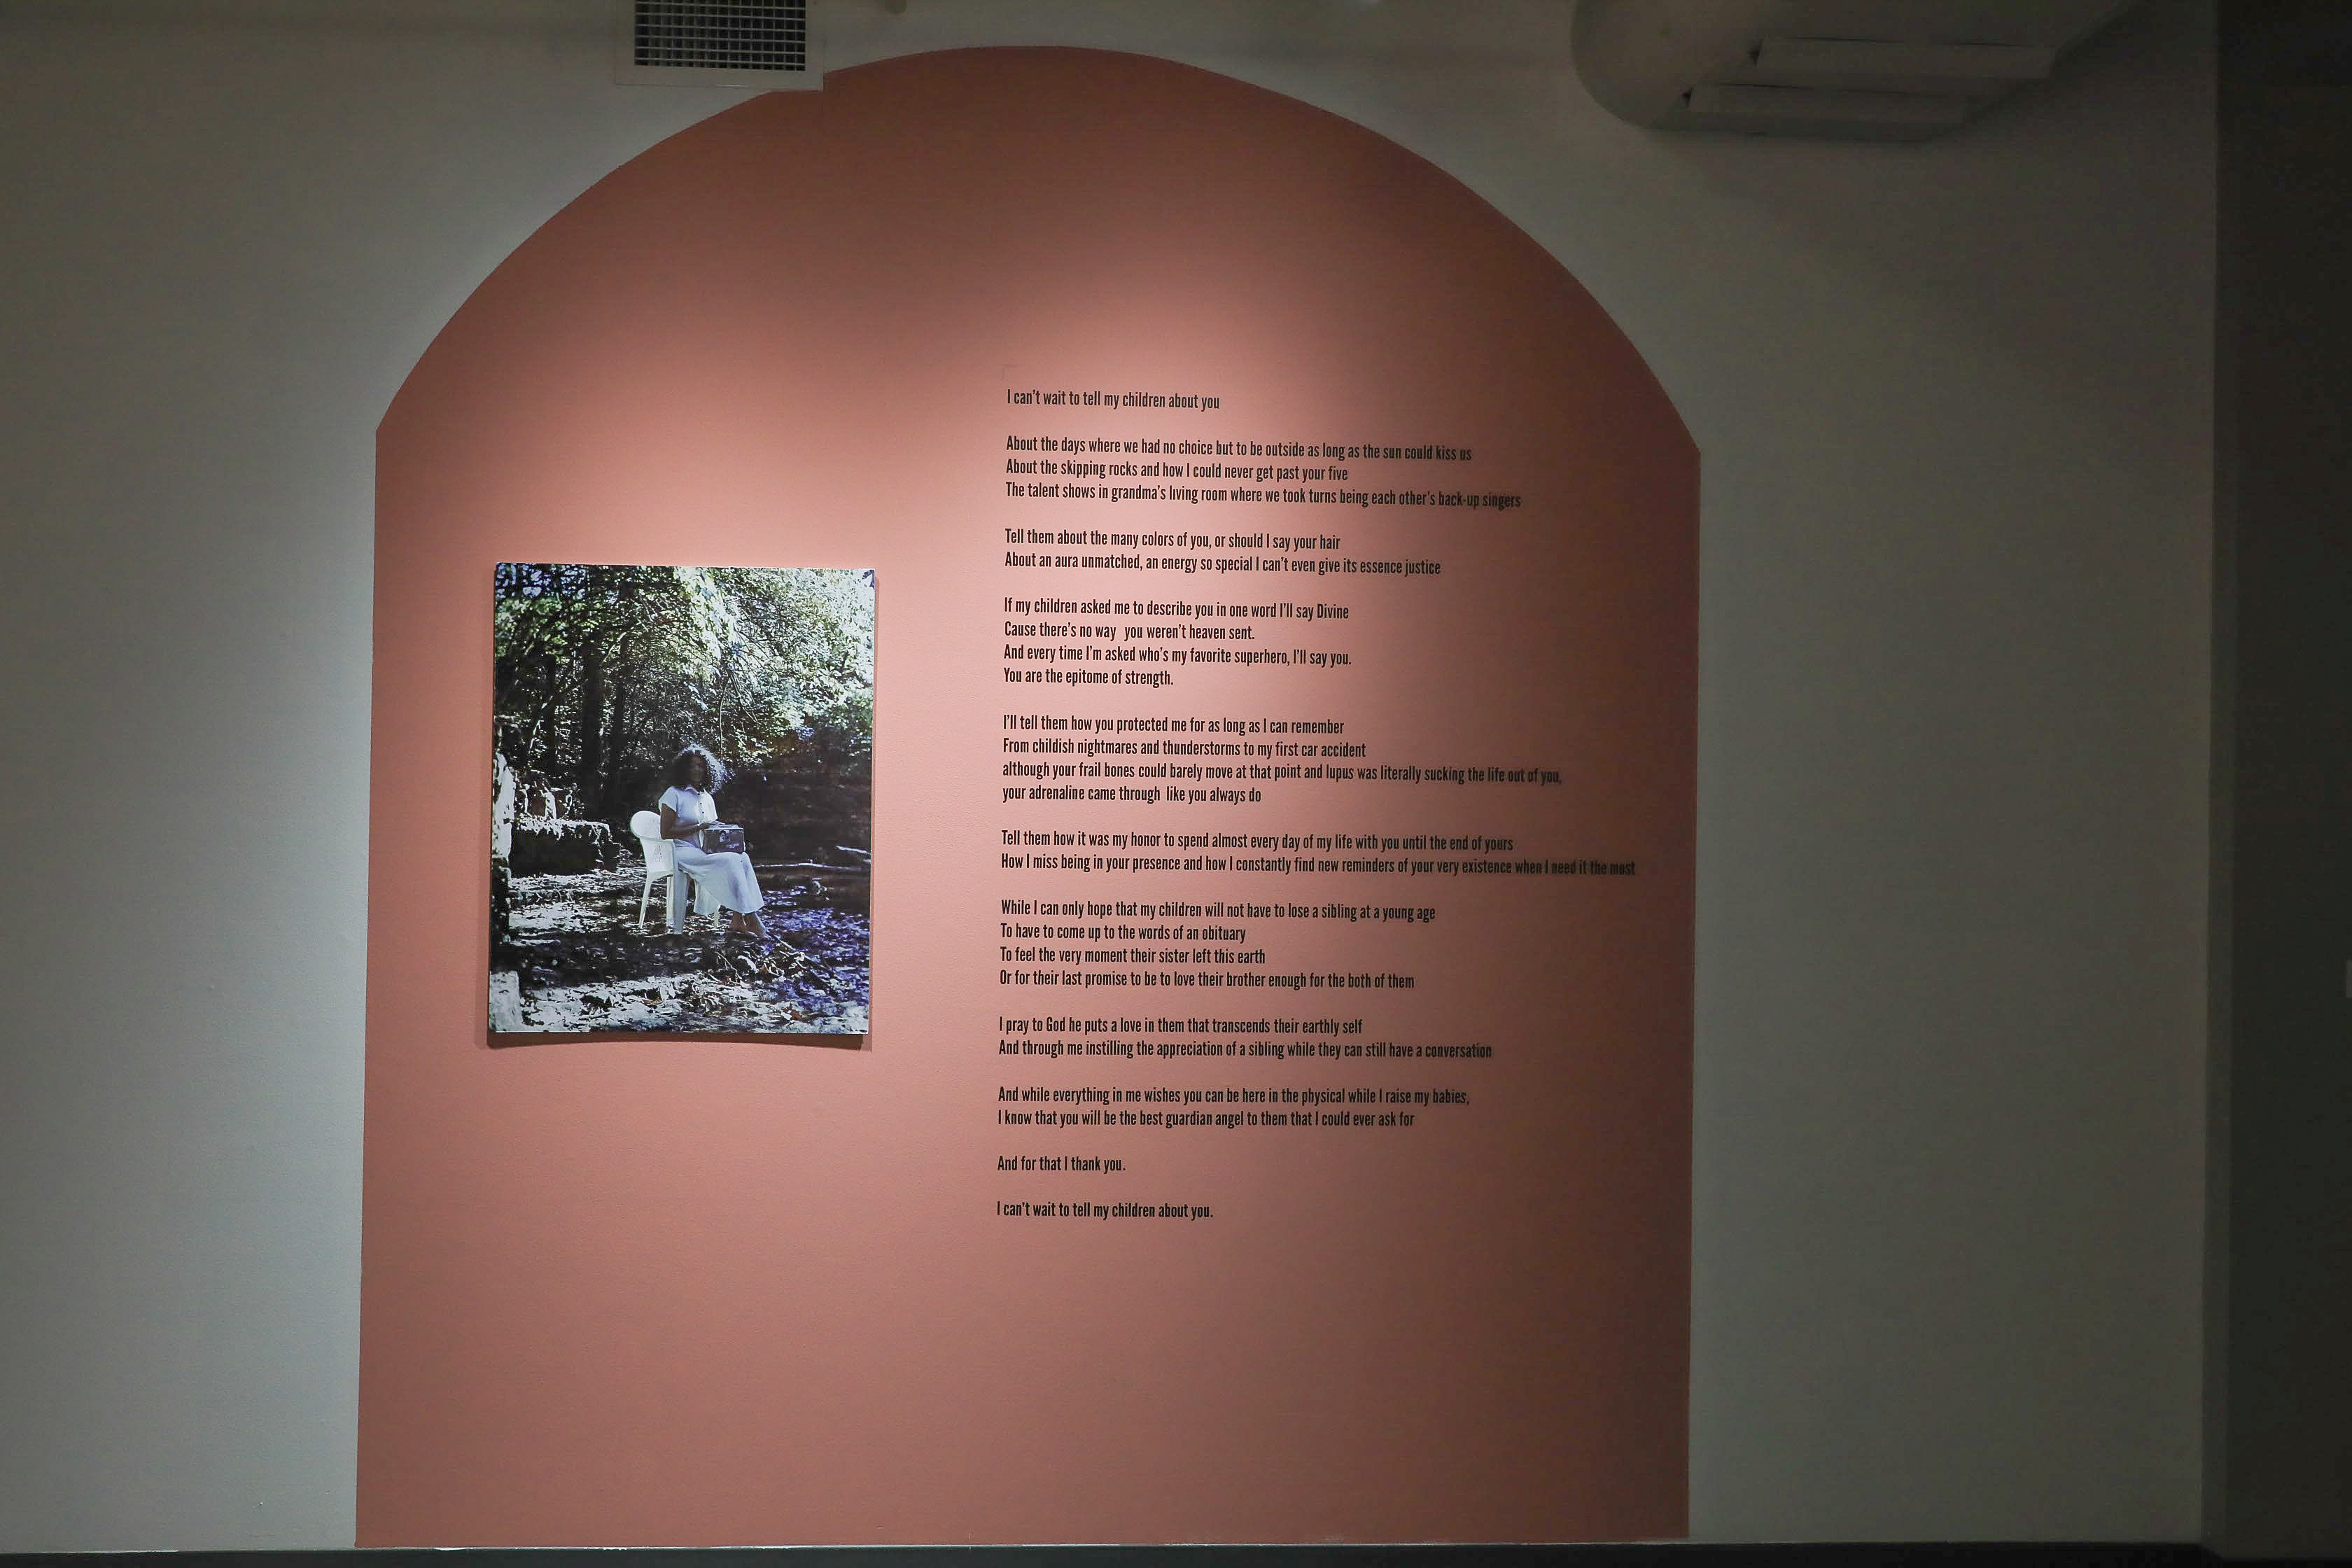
719, 43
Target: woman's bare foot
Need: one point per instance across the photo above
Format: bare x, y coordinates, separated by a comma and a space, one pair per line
750, 925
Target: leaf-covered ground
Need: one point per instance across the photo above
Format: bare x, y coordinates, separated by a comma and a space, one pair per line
585, 967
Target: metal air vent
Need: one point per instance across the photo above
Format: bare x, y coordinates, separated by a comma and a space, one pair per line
716, 43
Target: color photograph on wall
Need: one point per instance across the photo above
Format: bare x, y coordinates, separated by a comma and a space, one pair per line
681, 816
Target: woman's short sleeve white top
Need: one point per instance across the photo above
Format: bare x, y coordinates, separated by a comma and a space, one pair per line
690, 804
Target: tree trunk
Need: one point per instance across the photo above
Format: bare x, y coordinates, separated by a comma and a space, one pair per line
616, 750
589, 778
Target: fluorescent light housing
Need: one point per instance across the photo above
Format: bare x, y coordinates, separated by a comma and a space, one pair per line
1789, 106
1780, 58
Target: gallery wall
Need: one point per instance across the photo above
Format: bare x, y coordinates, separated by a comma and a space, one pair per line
1953, 407
1329, 959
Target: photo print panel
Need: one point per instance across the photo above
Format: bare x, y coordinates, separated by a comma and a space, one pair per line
681, 800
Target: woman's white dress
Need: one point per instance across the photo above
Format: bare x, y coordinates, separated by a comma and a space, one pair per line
722, 881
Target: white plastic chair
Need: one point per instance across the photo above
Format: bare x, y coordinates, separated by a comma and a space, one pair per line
661, 861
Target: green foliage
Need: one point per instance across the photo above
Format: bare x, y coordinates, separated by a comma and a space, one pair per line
603, 672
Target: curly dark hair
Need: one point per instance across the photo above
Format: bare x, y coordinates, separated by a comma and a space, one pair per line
681, 768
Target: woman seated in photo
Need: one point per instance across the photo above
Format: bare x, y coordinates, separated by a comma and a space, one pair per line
723, 880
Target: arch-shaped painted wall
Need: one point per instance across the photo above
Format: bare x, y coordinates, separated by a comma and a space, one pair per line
644, 1291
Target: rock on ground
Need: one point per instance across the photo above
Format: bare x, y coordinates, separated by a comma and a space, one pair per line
582, 965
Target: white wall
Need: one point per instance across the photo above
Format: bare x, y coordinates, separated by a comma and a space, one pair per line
1954, 403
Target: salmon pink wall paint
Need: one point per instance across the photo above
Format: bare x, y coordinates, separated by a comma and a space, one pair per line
639, 1291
